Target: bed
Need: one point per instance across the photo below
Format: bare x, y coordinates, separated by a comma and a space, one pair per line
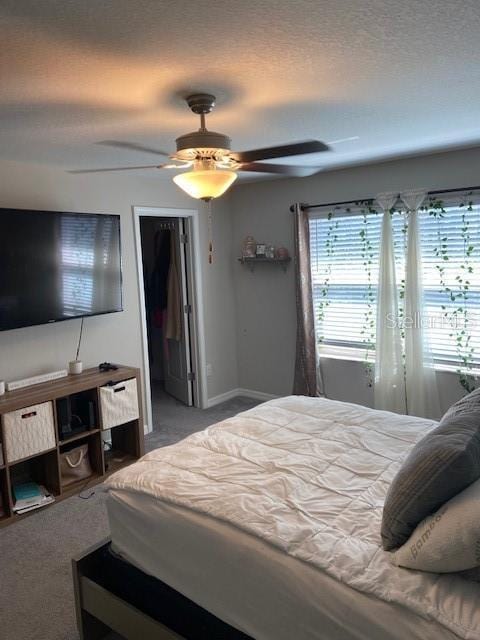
270, 521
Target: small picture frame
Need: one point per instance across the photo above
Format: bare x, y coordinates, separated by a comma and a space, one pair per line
260, 250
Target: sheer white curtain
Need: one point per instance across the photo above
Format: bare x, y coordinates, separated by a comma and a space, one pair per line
389, 385
404, 373
420, 381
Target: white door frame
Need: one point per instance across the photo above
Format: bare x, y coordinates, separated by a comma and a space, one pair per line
194, 275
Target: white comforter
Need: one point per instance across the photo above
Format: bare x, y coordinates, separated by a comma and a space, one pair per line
309, 476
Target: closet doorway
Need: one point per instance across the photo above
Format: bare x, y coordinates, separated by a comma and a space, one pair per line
169, 298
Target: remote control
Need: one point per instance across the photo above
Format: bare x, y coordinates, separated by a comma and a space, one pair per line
107, 366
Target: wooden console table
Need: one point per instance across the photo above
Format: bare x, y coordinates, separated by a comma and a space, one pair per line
127, 440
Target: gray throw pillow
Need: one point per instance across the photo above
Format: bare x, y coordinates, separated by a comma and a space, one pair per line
442, 464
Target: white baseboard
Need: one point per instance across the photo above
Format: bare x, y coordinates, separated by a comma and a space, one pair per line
235, 393
223, 397
256, 395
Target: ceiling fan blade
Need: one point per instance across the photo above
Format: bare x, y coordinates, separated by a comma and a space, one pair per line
148, 166
282, 151
283, 169
133, 146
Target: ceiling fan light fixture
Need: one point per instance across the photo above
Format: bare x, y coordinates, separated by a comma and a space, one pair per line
205, 184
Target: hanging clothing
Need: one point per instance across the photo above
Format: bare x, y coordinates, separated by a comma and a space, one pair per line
174, 319
158, 290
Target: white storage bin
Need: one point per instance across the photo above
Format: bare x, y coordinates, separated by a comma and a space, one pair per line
119, 403
28, 431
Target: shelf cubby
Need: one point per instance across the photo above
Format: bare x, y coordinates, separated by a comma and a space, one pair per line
42, 469
123, 447
76, 413
95, 455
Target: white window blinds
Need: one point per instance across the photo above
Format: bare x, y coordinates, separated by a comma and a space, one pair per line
344, 260
342, 249
451, 268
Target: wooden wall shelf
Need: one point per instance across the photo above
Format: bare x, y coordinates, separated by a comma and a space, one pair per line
44, 467
252, 262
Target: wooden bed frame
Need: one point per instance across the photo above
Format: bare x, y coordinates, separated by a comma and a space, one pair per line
99, 611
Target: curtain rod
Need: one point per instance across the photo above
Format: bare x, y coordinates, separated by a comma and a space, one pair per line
304, 206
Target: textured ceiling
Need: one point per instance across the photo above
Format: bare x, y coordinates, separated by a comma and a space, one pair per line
400, 77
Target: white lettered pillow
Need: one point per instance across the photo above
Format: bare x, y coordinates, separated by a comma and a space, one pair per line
448, 540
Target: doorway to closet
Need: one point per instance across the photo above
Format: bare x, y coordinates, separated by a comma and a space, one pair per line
171, 310
167, 307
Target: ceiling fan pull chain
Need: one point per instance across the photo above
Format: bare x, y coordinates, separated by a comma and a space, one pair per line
210, 235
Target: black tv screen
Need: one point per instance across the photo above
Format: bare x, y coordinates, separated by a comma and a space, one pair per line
56, 266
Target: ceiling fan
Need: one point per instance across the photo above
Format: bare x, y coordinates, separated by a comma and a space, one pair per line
213, 163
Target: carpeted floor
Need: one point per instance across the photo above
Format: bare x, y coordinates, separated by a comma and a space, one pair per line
174, 421
36, 594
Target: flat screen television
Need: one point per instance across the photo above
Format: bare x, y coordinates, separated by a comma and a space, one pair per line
57, 266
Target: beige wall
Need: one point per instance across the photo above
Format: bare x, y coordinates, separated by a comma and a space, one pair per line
116, 337
266, 298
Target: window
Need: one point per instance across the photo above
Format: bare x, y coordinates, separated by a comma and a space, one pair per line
345, 248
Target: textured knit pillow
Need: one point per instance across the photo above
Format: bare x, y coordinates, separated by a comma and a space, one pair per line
447, 541
441, 465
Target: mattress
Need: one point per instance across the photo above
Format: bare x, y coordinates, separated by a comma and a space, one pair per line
270, 520
248, 583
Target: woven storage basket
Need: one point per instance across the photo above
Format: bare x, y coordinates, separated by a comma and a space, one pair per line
28, 431
119, 403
